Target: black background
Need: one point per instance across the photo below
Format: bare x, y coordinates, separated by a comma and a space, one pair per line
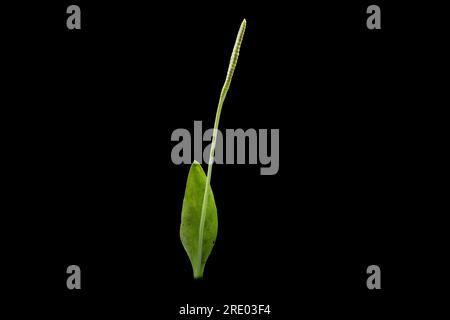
89, 124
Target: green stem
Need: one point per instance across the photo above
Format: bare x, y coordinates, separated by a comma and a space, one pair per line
223, 94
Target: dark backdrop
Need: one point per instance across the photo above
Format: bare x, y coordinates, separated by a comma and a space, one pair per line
89, 124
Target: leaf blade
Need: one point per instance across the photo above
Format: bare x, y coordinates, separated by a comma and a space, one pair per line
190, 220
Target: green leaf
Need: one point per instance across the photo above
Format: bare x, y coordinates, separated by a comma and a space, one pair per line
198, 251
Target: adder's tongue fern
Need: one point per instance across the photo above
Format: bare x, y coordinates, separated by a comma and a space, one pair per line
199, 209
226, 86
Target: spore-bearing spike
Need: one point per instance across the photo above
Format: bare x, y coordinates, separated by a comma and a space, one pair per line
235, 55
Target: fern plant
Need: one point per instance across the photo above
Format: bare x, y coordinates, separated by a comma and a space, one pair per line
198, 230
